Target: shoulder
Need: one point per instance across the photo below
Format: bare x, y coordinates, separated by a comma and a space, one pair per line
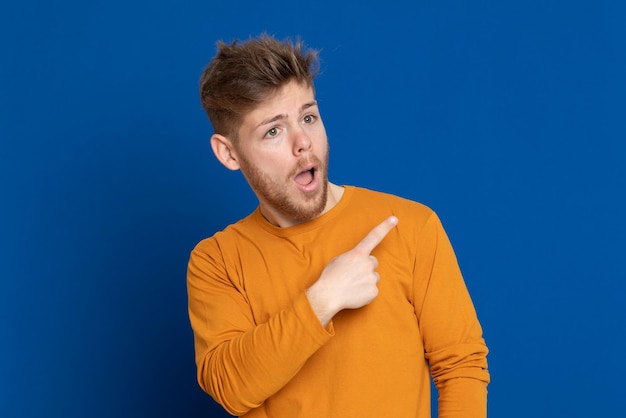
227, 237
398, 205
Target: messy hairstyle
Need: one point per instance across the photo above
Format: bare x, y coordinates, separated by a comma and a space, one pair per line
243, 74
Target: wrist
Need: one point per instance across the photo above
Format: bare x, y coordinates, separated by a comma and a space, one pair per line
321, 306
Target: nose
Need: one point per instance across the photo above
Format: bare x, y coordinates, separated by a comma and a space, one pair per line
302, 142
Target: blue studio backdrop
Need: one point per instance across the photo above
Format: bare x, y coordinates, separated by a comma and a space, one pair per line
506, 117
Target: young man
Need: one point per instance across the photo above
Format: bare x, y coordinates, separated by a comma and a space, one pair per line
327, 300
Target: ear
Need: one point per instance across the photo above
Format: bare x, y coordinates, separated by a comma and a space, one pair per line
224, 151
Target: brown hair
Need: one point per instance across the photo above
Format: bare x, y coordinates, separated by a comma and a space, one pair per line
242, 75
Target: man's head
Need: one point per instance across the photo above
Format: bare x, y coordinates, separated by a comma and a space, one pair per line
242, 75
260, 98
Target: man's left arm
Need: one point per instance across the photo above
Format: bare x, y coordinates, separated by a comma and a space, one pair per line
452, 334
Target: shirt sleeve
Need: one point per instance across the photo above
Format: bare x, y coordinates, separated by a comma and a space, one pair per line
452, 334
241, 363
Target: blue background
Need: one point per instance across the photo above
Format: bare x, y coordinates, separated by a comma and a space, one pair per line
506, 117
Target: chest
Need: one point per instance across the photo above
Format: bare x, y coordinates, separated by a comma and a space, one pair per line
272, 275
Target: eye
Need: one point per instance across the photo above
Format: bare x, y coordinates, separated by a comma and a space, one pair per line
308, 119
272, 132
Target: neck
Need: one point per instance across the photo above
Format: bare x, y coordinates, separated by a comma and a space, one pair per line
334, 196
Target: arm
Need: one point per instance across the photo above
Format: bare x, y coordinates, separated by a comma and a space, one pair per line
452, 334
240, 363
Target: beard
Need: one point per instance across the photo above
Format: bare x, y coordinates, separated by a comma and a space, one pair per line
282, 196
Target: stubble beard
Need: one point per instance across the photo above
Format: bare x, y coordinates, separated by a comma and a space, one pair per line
282, 196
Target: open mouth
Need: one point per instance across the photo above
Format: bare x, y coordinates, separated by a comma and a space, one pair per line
306, 177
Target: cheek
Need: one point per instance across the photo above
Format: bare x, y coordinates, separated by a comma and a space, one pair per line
320, 139
321, 148
272, 164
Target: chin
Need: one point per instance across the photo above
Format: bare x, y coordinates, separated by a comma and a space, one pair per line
314, 207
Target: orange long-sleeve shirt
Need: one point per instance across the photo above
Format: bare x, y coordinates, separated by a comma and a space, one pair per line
262, 352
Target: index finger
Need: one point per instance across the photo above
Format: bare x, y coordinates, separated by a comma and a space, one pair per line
376, 235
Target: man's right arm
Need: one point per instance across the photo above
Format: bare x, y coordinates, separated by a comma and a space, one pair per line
239, 363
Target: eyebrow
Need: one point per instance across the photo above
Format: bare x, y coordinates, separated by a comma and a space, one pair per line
284, 116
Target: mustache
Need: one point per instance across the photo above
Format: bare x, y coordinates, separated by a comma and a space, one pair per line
306, 163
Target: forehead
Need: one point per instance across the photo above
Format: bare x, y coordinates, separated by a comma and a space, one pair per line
285, 102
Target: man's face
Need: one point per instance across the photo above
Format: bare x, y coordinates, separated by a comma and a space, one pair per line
283, 153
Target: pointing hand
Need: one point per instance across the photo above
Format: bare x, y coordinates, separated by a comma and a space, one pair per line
350, 280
